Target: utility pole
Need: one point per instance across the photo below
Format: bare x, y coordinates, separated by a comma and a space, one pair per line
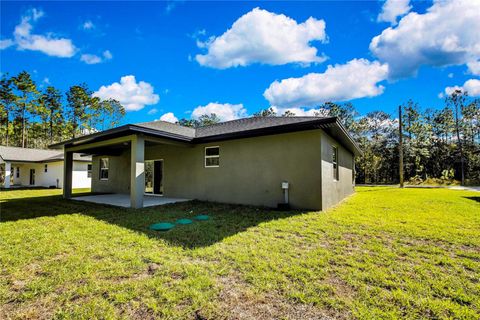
400, 145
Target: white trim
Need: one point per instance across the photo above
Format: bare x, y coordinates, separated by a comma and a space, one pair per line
205, 157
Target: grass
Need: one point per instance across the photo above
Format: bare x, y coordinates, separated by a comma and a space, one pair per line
383, 253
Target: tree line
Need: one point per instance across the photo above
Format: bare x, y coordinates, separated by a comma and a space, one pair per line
35, 118
439, 143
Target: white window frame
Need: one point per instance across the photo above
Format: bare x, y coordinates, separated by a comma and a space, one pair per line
209, 157
45, 168
89, 171
336, 173
103, 169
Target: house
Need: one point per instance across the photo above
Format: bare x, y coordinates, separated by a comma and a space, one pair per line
264, 161
41, 168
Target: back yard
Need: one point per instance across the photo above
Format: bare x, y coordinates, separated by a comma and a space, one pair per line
382, 253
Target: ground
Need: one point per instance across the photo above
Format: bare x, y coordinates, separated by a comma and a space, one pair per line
382, 253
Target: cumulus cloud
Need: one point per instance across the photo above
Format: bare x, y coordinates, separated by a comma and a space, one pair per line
471, 86
261, 36
392, 9
225, 111
357, 78
94, 59
474, 67
131, 94
48, 44
169, 117
447, 34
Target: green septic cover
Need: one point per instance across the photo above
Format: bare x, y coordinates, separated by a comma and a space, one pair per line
202, 217
183, 221
162, 226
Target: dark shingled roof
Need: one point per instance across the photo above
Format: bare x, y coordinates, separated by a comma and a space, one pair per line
247, 124
16, 154
169, 127
241, 128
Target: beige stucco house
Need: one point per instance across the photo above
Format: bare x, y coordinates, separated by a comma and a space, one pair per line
262, 161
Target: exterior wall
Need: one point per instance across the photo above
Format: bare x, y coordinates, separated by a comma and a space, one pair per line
118, 174
333, 191
54, 172
251, 171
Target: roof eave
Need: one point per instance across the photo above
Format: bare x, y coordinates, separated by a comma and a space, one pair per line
120, 131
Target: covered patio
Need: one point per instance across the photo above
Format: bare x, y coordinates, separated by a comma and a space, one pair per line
123, 200
129, 141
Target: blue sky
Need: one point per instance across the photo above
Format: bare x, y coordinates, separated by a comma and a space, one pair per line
155, 48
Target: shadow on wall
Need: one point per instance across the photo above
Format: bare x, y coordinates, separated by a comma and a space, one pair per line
225, 220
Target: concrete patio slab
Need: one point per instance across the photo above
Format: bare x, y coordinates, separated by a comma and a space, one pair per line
123, 200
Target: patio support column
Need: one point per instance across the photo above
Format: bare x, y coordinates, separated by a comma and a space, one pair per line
8, 174
137, 172
67, 174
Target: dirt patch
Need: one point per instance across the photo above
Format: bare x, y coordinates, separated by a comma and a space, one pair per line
241, 303
33, 310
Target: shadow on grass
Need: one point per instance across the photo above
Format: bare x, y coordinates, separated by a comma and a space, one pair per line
225, 220
473, 198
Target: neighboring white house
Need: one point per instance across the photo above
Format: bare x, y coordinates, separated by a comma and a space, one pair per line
41, 168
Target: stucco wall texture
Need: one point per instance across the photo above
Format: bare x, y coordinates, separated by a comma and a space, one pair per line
251, 171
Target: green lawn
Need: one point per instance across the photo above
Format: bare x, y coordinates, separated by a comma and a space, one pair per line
383, 253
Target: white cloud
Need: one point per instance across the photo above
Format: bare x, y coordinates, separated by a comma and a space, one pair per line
225, 111
152, 111
131, 94
169, 117
5, 43
90, 58
94, 59
471, 86
261, 36
107, 55
357, 78
474, 67
450, 75
447, 34
88, 25
46, 80
392, 9
48, 44
302, 112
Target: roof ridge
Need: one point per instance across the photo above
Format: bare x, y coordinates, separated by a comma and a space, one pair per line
258, 118
163, 121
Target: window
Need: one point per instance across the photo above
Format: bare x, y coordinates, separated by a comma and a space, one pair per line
89, 170
353, 170
335, 162
212, 157
18, 172
104, 169
46, 168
